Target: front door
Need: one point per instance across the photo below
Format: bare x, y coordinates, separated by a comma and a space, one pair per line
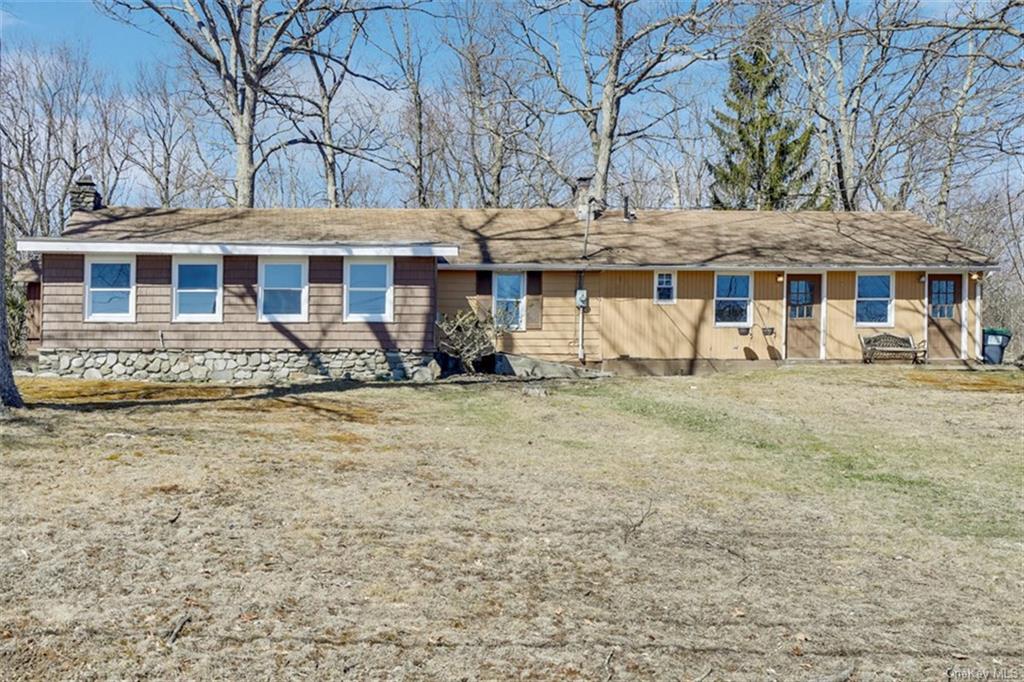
944, 330
803, 316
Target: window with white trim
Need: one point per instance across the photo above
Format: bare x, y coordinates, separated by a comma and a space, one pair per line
369, 289
110, 289
874, 300
198, 289
283, 290
664, 287
732, 299
510, 300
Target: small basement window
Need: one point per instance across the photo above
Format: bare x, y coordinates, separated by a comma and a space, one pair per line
510, 300
198, 294
664, 287
874, 300
283, 290
369, 290
732, 300
110, 289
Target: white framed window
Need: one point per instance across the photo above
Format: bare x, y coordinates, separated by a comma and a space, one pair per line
874, 299
369, 290
664, 287
110, 288
509, 304
283, 294
732, 299
198, 290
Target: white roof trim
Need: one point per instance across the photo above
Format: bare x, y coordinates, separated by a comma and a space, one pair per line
60, 245
946, 267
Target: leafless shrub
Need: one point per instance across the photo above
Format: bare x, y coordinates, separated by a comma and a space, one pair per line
468, 336
632, 528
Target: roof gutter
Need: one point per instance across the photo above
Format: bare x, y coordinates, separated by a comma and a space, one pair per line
931, 267
61, 245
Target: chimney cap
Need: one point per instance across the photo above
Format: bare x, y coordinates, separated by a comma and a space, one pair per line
85, 180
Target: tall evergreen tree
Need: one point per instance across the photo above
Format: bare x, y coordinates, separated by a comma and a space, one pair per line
764, 154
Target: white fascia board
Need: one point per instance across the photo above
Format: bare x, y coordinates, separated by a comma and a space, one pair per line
235, 249
712, 266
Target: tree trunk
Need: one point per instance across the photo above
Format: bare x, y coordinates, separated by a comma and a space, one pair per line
330, 156
611, 100
245, 167
9, 395
953, 141
420, 154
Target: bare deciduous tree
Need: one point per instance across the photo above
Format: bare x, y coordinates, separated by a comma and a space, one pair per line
622, 50
59, 117
237, 49
164, 146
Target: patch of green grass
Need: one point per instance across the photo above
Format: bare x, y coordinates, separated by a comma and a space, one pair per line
864, 468
892, 480
693, 419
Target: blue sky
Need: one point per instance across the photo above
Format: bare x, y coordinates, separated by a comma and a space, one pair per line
114, 46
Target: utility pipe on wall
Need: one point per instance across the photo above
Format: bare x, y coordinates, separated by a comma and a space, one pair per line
581, 305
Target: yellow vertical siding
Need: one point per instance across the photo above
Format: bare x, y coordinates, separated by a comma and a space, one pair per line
842, 331
633, 325
625, 322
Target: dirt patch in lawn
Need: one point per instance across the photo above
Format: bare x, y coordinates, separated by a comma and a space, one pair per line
962, 380
766, 525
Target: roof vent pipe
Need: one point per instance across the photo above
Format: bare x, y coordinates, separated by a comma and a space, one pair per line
586, 230
627, 215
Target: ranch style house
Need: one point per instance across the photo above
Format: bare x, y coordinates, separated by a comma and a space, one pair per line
264, 294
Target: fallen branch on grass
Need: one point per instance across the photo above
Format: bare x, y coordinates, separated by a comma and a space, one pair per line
841, 676
177, 628
726, 549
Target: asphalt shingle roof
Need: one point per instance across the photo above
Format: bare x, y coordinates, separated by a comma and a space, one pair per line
555, 236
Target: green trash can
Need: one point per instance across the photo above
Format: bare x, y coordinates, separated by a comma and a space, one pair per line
996, 341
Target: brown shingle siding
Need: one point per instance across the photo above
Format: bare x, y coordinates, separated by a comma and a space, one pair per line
413, 327
240, 270
326, 269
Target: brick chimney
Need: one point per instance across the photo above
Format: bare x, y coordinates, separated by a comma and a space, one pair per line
84, 196
582, 199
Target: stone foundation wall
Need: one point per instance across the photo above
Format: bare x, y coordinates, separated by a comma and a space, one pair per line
239, 366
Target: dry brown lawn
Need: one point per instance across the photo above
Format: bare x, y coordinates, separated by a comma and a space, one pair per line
769, 525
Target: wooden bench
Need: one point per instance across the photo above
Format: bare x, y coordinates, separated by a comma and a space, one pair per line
891, 346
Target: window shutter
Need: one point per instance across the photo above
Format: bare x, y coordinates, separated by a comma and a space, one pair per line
483, 282
534, 299
483, 293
